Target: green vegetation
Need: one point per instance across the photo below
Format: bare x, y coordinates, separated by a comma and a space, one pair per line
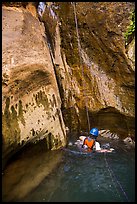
131, 29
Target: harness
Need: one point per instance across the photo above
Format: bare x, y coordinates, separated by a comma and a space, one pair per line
89, 142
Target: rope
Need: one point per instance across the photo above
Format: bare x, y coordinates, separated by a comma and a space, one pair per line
79, 50
113, 175
76, 152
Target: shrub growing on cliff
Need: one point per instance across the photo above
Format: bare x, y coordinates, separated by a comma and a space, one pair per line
131, 29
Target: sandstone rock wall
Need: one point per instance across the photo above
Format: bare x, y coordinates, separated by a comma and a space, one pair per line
31, 104
104, 79
45, 85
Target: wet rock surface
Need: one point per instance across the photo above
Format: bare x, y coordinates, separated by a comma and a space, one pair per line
105, 78
48, 83
30, 98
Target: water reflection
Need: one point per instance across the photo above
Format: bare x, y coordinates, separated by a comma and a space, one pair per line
76, 178
26, 172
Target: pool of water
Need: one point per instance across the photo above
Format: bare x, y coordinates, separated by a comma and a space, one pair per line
90, 177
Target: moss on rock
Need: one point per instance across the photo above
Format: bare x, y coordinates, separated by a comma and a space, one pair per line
10, 126
41, 98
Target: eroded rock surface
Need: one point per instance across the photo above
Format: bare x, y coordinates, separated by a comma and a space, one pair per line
101, 73
48, 83
31, 104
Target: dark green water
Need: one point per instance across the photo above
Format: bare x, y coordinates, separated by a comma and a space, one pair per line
96, 177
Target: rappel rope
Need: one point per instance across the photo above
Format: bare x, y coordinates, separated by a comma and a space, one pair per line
79, 50
113, 175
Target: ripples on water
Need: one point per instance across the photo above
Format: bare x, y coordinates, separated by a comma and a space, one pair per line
96, 177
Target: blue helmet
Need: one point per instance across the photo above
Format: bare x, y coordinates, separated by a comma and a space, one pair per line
94, 132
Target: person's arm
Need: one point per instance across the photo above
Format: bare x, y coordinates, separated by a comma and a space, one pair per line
97, 146
82, 138
105, 150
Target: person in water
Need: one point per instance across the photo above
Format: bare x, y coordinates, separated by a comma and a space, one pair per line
90, 143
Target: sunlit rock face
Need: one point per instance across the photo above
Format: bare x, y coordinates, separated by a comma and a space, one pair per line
31, 104
101, 74
47, 80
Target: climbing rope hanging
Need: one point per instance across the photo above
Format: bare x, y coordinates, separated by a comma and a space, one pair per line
112, 175
80, 57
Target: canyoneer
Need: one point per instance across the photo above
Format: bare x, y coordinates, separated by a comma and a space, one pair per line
90, 142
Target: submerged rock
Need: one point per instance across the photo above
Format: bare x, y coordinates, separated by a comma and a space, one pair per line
108, 134
129, 140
